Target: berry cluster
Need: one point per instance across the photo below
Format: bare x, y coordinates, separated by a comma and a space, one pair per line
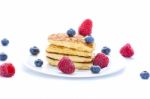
35, 51
100, 61
6, 69
3, 56
85, 29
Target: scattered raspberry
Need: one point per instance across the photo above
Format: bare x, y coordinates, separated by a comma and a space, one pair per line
86, 27
101, 60
127, 51
66, 65
7, 70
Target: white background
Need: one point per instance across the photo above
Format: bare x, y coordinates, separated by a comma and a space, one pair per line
116, 22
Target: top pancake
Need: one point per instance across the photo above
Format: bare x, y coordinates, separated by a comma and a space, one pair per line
77, 42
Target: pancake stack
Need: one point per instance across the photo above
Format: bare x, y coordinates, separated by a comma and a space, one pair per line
80, 52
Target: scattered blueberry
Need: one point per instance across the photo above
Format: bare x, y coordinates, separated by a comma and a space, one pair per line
71, 32
38, 63
95, 69
34, 50
5, 42
89, 39
3, 56
106, 50
144, 75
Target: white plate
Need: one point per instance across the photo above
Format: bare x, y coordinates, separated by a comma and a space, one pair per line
116, 65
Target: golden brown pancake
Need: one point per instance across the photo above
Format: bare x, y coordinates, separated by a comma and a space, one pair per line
67, 51
77, 42
80, 66
73, 58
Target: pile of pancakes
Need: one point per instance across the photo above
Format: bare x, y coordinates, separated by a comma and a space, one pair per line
80, 52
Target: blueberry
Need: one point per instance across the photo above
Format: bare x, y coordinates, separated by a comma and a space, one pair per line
95, 69
89, 39
34, 50
106, 50
144, 75
5, 42
38, 63
3, 56
71, 32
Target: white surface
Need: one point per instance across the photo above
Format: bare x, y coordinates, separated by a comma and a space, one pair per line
116, 22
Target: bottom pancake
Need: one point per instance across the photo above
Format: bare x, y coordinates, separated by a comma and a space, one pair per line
80, 66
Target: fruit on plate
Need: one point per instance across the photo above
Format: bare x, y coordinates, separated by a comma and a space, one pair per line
89, 39
106, 50
38, 63
66, 66
34, 50
95, 69
101, 60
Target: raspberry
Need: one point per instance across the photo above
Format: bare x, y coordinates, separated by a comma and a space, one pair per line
101, 60
7, 70
66, 65
85, 28
127, 51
